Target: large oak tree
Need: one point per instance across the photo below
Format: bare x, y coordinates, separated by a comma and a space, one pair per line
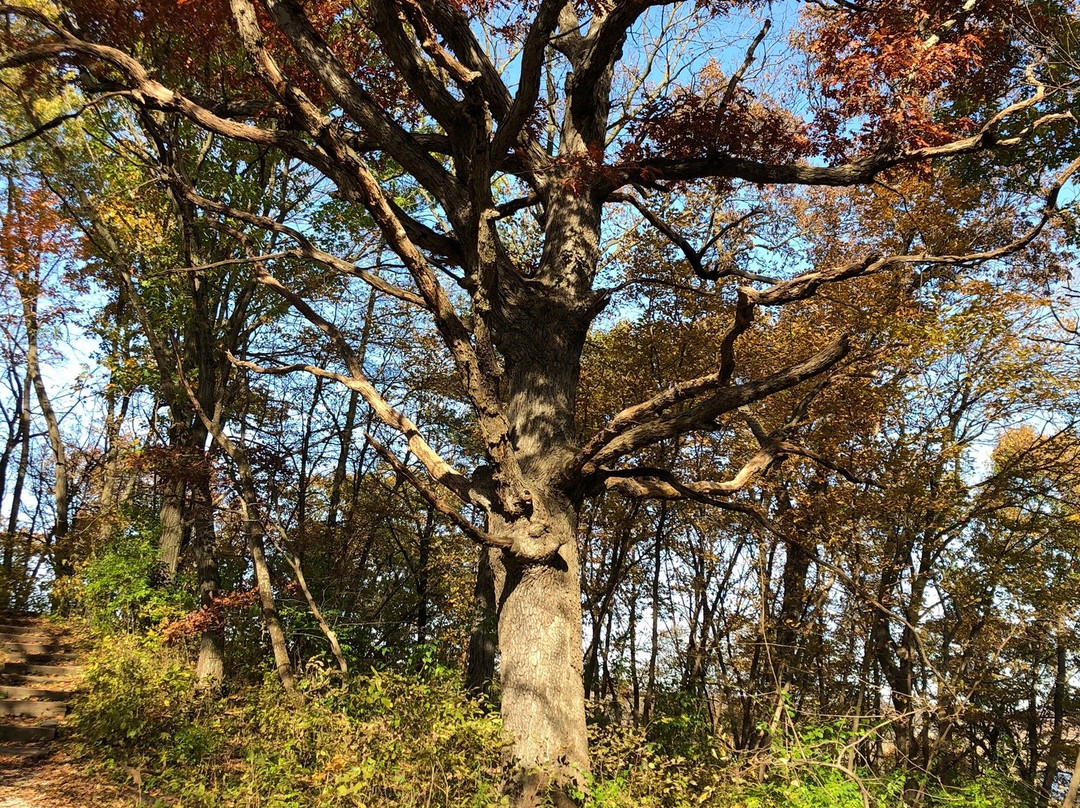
547, 115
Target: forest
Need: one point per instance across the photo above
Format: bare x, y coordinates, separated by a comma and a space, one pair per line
557, 402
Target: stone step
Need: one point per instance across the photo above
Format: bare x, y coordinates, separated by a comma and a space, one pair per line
24, 752
19, 692
36, 658
35, 669
9, 619
32, 709
30, 633
44, 731
34, 680
31, 630
50, 644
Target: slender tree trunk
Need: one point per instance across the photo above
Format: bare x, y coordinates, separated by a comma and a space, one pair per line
21, 468
253, 536
338, 480
658, 546
1033, 725
483, 646
14, 439
635, 677
112, 494
1053, 747
1074, 786
210, 667
423, 572
62, 563
19, 438
303, 478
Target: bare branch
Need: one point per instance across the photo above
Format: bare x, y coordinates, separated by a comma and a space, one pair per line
645, 424
51, 124
661, 484
293, 21
856, 172
429, 41
532, 62
737, 76
464, 525
441, 471
305, 249
453, 25
804, 286
389, 18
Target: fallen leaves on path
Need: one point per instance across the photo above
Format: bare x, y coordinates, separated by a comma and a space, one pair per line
57, 782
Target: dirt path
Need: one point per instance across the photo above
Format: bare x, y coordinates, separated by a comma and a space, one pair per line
58, 782
39, 671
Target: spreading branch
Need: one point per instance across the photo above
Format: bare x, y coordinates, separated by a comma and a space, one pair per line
651, 421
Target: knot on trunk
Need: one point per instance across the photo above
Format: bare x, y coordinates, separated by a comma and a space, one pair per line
535, 539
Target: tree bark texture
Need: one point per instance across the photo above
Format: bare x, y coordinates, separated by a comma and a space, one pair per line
253, 536
543, 695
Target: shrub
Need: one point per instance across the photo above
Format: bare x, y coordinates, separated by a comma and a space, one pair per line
121, 586
139, 705
381, 739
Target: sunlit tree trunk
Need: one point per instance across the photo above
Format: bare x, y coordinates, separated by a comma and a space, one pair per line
539, 598
210, 666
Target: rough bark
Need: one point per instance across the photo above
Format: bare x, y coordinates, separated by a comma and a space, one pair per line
543, 697
171, 522
517, 349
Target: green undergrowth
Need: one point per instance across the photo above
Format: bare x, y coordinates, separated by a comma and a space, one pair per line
388, 739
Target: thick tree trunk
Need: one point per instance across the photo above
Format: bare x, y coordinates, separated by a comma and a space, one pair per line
538, 582
173, 514
543, 696
789, 621
171, 520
